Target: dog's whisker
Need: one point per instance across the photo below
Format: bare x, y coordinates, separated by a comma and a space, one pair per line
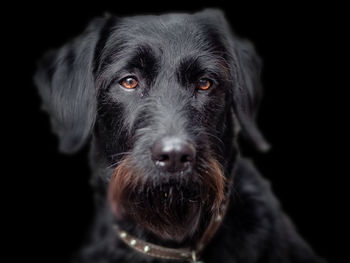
119, 154
113, 165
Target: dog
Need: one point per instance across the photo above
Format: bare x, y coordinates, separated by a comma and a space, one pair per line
162, 100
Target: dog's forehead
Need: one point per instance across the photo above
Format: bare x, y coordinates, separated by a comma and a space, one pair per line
171, 21
163, 40
171, 30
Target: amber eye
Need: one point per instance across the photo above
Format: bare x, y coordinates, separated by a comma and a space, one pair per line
204, 84
129, 82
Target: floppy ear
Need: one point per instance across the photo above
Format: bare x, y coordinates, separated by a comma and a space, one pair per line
247, 94
66, 85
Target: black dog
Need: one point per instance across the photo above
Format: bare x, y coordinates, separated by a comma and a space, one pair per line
162, 99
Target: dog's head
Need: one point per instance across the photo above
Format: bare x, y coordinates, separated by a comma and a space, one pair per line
162, 97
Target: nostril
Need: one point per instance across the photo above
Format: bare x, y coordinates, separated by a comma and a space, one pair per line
163, 158
185, 159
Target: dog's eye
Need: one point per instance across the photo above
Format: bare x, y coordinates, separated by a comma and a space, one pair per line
204, 84
129, 82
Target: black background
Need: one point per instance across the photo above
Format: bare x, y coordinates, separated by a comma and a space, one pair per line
299, 117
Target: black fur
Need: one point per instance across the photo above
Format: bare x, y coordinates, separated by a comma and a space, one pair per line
168, 54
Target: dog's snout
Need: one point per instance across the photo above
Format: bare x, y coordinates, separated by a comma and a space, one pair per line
173, 154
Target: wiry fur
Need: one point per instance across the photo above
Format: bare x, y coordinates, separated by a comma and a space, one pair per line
80, 87
169, 207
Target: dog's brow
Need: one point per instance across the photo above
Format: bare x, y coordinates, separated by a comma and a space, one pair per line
143, 58
192, 68
189, 68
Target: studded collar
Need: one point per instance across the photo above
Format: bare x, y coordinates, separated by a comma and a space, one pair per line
180, 254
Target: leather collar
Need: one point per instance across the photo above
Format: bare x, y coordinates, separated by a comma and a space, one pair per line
181, 254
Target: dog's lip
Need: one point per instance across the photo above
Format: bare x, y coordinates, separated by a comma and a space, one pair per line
172, 171
176, 178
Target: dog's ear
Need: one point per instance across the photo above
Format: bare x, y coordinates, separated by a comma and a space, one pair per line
248, 91
66, 85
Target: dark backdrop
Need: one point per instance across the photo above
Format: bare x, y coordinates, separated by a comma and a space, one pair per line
53, 207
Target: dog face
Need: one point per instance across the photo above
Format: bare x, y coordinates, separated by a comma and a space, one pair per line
179, 85
162, 97
172, 89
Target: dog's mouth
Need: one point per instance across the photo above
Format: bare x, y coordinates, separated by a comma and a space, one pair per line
170, 208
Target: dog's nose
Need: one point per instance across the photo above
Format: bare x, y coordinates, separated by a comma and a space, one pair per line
173, 154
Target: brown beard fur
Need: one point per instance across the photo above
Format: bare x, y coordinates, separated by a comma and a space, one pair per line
171, 209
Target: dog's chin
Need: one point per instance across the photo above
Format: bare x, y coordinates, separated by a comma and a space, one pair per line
170, 207
169, 211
